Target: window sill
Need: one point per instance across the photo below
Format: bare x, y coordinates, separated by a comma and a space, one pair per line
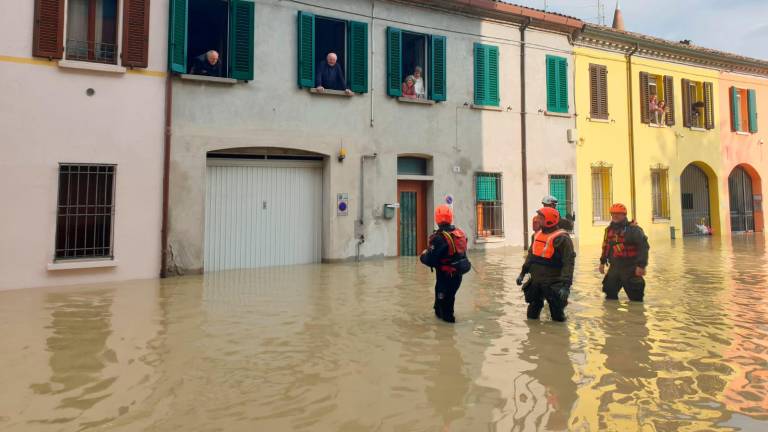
557, 114
204, 78
662, 220
81, 264
657, 126
743, 133
698, 129
96, 67
330, 93
415, 177
485, 107
598, 120
416, 101
601, 223
490, 240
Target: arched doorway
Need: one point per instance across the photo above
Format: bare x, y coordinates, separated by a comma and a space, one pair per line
741, 196
695, 202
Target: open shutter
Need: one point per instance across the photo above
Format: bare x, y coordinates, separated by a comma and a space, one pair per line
594, 91
135, 33
562, 85
306, 50
48, 34
358, 56
551, 83
669, 100
735, 110
603, 85
241, 23
709, 106
752, 99
437, 83
394, 62
645, 115
177, 37
493, 75
481, 75
686, 102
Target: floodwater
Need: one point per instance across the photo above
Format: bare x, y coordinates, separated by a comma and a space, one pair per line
350, 347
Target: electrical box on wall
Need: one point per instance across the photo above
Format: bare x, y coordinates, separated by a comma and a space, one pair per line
389, 210
573, 135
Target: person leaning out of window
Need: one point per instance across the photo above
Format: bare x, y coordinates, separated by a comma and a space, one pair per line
207, 64
409, 87
418, 83
330, 75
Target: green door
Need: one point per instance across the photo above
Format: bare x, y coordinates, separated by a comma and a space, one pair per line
408, 224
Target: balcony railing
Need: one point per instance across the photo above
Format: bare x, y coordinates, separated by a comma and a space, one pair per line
97, 52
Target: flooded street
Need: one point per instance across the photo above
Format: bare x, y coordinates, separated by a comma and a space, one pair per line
350, 347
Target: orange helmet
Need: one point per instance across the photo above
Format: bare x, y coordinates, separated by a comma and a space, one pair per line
443, 215
550, 217
618, 208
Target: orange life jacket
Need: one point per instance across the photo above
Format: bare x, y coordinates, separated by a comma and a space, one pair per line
614, 245
543, 244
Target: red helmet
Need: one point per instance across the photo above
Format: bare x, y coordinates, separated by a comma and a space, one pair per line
618, 208
443, 215
550, 217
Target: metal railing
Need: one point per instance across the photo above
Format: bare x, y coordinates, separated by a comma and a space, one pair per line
90, 51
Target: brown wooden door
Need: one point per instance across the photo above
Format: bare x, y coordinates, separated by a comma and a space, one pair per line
411, 217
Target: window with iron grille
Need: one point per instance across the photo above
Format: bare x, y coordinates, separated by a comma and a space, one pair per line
560, 188
490, 208
602, 195
660, 191
85, 211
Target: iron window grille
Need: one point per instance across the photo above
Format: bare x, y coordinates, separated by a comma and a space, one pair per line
489, 205
85, 211
560, 188
602, 195
660, 192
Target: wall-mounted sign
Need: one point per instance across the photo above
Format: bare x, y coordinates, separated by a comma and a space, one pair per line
449, 199
342, 204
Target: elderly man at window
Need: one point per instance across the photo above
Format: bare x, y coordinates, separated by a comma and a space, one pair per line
207, 64
330, 75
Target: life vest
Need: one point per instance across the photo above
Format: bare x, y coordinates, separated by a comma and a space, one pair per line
543, 248
456, 261
615, 246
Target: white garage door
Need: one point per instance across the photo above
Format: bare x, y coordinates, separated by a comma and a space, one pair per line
262, 213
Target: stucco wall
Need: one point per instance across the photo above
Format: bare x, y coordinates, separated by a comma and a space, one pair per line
47, 118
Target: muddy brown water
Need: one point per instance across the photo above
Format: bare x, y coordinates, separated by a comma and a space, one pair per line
355, 347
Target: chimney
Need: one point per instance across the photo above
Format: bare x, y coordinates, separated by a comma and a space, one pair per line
618, 19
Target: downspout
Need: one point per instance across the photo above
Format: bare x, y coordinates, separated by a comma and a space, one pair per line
630, 114
372, 71
166, 173
524, 132
361, 239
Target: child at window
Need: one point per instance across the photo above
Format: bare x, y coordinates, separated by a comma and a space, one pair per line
653, 108
421, 92
409, 87
662, 111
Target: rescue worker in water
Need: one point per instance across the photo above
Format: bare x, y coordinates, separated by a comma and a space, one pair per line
565, 223
446, 253
550, 263
625, 251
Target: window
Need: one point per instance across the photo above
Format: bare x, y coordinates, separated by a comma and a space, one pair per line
657, 99
698, 105
320, 36
598, 92
743, 110
486, 75
85, 212
660, 192
490, 208
557, 84
212, 37
413, 55
602, 195
411, 166
91, 31
560, 188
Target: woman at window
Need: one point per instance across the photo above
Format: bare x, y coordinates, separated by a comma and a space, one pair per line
409, 87
421, 92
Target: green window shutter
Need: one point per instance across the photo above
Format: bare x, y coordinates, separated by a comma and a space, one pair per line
735, 110
562, 85
241, 20
394, 62
306, 50
486, 188
752, 99
481, 74
358, 56
552, 83
177, 37
493, 75
437, 83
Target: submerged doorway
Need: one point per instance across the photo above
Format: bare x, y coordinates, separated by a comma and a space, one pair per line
742, 201
694, 189
411, 217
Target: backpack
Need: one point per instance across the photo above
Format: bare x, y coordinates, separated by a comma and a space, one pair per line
457, 248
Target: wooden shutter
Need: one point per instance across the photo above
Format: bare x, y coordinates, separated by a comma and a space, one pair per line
135, 47
394, 62
645, 113
306, 50
669, 100
241, 23
358, 56
598, 91
686, 84
562, 85
438, 87
735, 110
709, 106
551, 83
48, 33
177, 36
752, 99
493, 75
481, 75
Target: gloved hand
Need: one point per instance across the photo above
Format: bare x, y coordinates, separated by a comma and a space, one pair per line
564, 292
520, 278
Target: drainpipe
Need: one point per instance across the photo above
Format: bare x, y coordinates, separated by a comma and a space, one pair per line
361, 239
372, 87
524, 132
630, 114
166, 174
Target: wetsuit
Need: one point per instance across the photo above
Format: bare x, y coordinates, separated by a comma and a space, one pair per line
550, 263
448, 281
625, 248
